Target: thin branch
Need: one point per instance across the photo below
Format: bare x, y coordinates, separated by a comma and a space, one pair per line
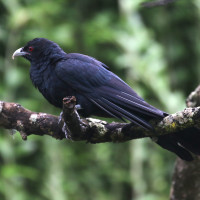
14, 116
72, 120
157, 3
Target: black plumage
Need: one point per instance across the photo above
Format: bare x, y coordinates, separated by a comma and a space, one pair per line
98, 91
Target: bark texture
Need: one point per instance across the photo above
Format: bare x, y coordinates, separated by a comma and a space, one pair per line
14, 116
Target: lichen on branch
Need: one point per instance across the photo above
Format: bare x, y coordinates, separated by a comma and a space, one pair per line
14, 116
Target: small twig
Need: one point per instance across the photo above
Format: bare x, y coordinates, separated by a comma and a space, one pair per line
75, 126
157, 3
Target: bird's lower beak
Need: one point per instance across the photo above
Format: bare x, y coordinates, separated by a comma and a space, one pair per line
18, 52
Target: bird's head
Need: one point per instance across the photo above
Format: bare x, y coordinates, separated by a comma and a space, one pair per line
37, 49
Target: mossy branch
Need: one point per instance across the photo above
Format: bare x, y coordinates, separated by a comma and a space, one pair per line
14, 116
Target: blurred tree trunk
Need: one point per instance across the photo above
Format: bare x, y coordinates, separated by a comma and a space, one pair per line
186, 177
186, 180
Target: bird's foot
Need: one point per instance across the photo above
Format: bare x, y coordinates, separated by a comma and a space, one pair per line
64, 128
65, 131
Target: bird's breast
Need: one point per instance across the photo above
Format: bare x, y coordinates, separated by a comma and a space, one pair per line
51, 87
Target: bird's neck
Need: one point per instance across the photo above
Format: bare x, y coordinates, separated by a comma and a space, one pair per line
37, 75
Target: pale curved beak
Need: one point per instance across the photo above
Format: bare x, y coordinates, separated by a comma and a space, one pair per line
18, 52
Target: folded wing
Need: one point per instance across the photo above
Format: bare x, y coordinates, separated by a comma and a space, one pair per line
106, 90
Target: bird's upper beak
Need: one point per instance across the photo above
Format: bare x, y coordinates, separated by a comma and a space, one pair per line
19, 52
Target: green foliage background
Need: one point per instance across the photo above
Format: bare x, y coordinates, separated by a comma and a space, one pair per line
155, 50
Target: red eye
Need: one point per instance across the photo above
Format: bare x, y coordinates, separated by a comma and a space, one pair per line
30, 48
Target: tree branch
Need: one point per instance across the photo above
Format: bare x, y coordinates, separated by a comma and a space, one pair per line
14, 116
186, 177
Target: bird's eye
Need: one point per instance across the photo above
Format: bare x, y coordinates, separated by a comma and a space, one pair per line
30, 48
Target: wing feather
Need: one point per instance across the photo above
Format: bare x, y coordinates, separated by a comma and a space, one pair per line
126, 114
106, 90
100, 104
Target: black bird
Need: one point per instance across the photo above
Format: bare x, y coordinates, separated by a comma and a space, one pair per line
98, 91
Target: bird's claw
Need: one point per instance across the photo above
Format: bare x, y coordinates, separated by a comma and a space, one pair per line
64, 128
65, 131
